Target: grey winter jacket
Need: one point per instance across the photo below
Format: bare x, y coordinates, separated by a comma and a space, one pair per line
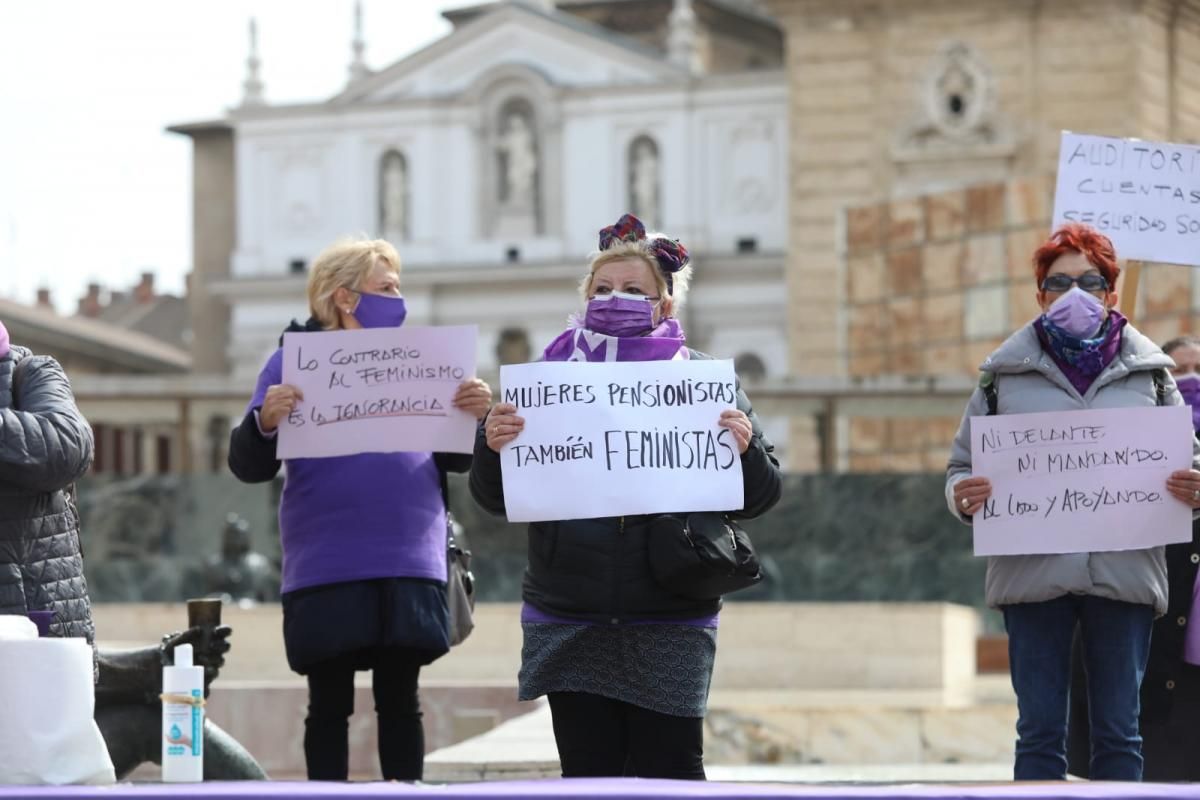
1028, 381
45, 444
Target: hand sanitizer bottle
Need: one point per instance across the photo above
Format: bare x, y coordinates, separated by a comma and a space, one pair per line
183, 719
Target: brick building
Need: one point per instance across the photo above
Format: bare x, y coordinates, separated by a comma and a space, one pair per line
923, 138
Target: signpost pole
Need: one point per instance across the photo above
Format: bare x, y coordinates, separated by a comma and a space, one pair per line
1129, 289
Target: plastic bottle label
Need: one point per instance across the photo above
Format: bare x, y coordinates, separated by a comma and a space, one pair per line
185, 735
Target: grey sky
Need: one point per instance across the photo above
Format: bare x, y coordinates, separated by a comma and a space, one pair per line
91, 187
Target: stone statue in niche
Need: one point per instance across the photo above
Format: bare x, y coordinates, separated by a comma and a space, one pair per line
644, 179
393, 195
517, 151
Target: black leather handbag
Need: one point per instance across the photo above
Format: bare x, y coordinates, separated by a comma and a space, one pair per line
460, 585
702, 555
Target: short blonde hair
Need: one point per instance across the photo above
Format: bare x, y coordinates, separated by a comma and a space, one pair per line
640, 248
344, 264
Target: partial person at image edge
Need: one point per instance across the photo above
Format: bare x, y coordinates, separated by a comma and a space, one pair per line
1170, 697
45, 446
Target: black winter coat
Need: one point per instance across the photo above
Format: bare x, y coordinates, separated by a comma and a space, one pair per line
45, 445
599, 569
1166, 642
1165, 669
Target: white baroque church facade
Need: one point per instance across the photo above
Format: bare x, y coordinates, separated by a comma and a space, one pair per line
492, 157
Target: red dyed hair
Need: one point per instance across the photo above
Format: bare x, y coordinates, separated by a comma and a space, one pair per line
1075, 237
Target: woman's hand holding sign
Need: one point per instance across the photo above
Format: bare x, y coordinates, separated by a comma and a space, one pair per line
739, 424
970, 494
1184, 485
280, 400
502, 425
474, 396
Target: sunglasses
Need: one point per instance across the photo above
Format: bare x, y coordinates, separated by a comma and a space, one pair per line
1091, 282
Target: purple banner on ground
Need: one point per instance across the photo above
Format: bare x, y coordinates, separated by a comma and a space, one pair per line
610, 788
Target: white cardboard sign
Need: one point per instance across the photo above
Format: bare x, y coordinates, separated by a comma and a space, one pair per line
1081, 481
1145, 196
378, 390
617, 438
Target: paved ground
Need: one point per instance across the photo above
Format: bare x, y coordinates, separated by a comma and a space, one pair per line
523, 748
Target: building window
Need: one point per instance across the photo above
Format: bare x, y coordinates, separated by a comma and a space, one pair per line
118, 445
100, 449
750, 368
218, 440
393, 195
138, 439
162, 453
512, 347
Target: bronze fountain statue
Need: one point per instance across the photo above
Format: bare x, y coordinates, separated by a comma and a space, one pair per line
129, 711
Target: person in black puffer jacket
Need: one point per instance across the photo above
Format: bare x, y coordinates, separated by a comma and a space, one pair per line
45, 445
625, 662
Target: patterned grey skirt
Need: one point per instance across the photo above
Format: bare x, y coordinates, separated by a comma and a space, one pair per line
664, 668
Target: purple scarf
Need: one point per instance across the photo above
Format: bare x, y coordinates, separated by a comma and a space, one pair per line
4, 346
1088, 365
576, 343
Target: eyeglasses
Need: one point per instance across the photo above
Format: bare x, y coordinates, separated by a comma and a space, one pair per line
1090, 282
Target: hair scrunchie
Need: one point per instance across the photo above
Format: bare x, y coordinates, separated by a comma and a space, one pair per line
670, 254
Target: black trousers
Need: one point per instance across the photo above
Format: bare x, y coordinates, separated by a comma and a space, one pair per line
397, 708
599, 737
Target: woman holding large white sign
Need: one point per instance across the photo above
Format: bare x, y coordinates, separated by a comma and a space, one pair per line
1081, 353
363, 535
625, 662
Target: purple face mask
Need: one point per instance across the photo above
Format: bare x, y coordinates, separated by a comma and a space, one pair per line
1078, 313
4, 347
619, 314
1189, 387
380, 311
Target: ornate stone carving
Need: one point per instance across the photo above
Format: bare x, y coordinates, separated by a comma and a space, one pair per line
956, 111
751, 159
301, 184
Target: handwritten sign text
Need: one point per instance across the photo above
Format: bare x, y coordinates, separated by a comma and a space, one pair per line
379, 390
1145, 196
610, 439
1081, 481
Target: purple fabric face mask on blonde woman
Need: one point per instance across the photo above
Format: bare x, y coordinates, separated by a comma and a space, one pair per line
380, 311
619, 314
